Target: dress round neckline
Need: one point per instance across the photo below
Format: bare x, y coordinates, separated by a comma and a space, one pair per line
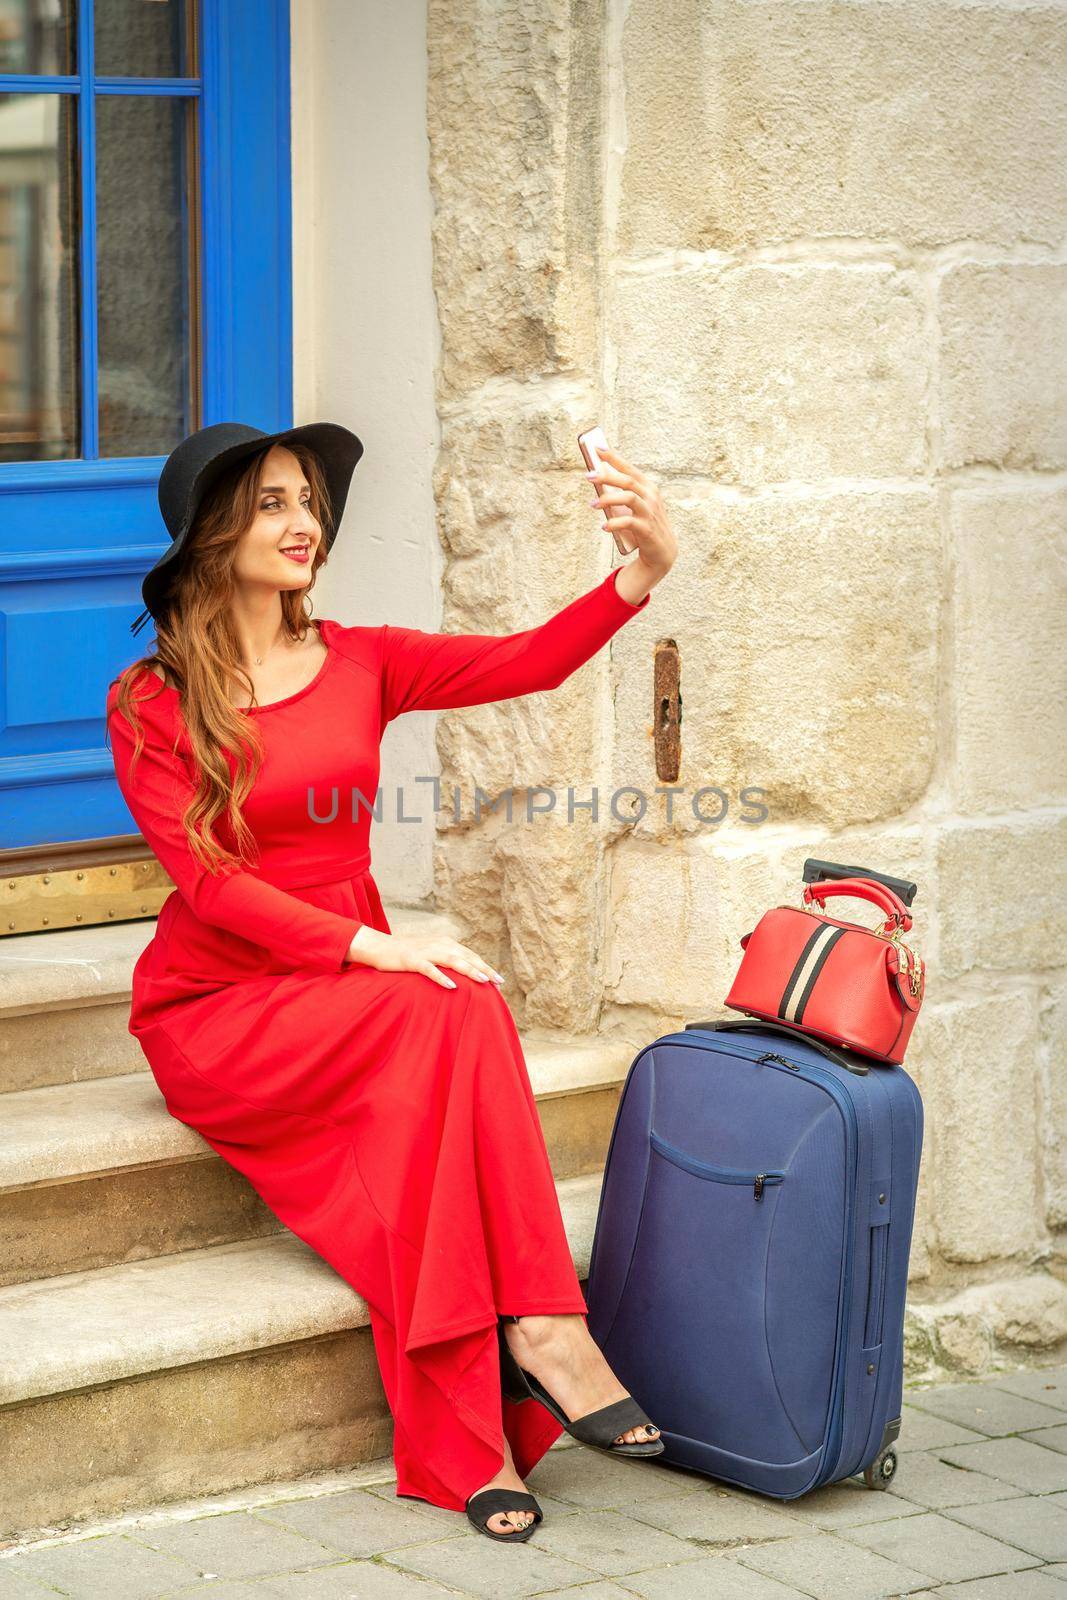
287, 700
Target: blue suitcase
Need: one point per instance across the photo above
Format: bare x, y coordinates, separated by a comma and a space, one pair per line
750, 1258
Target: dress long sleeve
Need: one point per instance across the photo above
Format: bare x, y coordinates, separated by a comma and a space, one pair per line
157, 792
440, 671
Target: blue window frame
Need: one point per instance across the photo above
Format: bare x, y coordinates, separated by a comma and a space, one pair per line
161, 303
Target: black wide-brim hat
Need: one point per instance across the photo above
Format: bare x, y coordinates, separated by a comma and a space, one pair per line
195, 464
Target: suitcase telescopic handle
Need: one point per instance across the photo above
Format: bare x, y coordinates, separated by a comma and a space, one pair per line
814, 870
864, 889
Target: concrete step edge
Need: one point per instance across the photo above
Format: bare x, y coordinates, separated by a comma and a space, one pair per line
72, 967
106, 1125
116, 1323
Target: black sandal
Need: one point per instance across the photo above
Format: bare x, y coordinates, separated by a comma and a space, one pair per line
490, 1501
597, 1428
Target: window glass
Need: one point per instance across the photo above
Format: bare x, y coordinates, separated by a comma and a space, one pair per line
38, 36
144, 198
143, 39
39, 334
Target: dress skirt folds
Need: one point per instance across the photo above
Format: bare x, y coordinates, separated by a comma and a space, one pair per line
384, 1119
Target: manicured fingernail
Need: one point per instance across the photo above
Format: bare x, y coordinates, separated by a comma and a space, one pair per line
450, 982
482, 977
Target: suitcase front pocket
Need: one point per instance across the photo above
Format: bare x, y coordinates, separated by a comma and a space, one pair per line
756, 1181
715, 1315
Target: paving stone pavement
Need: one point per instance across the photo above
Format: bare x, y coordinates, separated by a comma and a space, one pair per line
978, 1511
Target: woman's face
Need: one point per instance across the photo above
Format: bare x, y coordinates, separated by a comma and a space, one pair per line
278, 550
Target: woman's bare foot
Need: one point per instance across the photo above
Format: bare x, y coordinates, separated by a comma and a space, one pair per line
506, 1478
562, 1355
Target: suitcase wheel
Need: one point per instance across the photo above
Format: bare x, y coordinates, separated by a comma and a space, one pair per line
882, 1471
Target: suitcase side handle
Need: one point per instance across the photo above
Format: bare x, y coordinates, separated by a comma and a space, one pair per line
815, 870
740, 1026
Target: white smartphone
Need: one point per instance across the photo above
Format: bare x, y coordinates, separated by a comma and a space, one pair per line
588, 443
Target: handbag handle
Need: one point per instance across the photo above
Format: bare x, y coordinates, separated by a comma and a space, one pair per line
899, 917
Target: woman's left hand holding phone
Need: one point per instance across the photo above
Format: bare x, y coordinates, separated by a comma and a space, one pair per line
642, 516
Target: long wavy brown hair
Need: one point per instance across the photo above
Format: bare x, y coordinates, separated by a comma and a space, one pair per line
197, 646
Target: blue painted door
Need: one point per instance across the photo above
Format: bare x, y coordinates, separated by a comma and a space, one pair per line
145, 291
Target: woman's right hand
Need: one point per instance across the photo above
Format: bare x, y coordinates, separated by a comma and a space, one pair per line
419, 952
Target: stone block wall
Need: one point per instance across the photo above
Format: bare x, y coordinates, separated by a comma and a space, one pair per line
805, 261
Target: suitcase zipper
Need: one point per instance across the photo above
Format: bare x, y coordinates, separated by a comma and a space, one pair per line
702, 1169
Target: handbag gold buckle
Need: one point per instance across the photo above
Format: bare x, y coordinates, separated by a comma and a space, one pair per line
909, 961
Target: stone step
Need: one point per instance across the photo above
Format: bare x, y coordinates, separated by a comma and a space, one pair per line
196, 1372
97, 1173
65, 999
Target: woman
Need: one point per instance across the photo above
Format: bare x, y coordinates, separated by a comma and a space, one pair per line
370, 1085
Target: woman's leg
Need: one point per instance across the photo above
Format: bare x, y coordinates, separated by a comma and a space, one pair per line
556, 1347
485, 1124
562, 1355
507, 1478
560, 1352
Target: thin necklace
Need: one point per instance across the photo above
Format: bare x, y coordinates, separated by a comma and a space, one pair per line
259, 659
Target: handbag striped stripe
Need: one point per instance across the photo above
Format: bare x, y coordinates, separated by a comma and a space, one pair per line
804, 975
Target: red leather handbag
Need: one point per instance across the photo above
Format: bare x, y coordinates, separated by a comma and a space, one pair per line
839, 981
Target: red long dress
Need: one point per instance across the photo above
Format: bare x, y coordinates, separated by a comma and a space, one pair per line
385, 1119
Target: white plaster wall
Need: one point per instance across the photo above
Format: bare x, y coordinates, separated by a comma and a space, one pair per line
366, 342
